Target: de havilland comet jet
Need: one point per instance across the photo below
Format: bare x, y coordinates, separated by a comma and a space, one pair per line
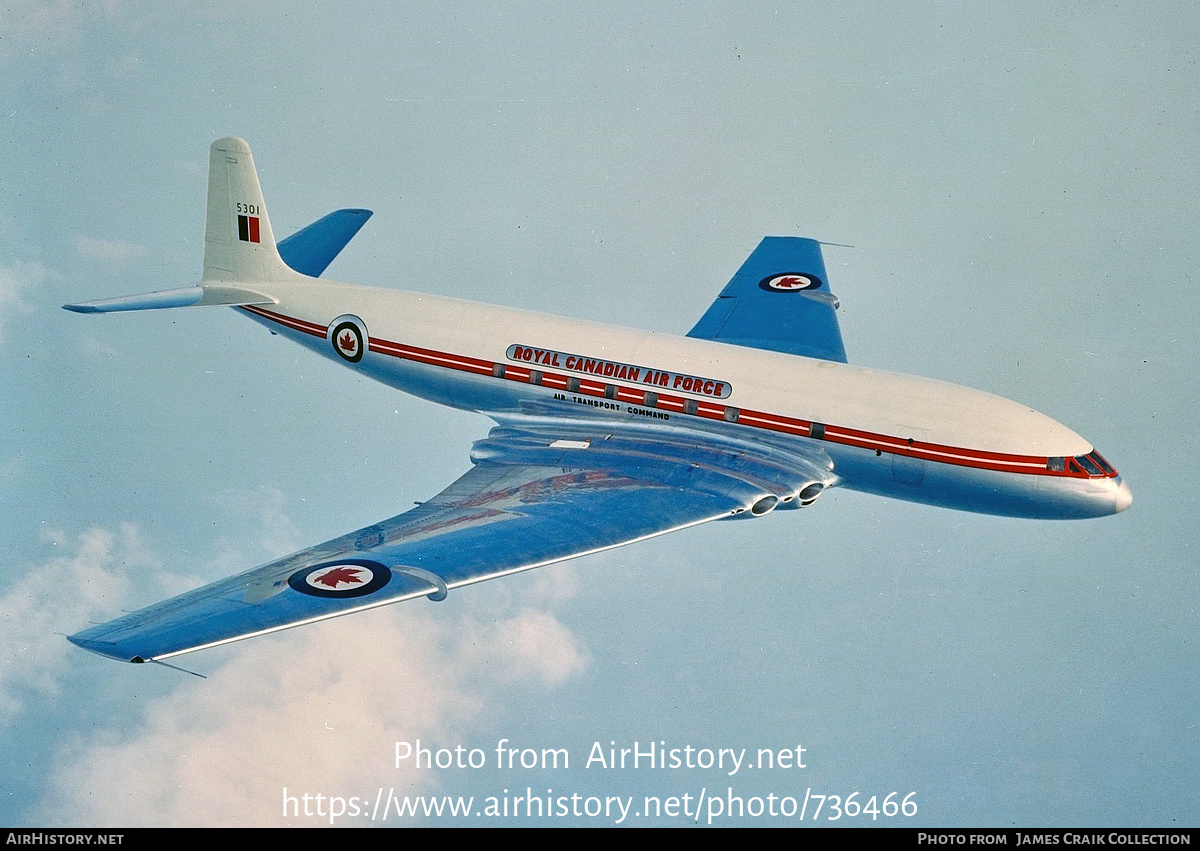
604, 436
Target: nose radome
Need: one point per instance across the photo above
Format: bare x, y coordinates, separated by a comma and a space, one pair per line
1124, 497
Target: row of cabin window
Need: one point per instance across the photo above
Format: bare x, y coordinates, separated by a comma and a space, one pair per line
649, 398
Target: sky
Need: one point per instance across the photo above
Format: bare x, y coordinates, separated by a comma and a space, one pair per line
1018, 182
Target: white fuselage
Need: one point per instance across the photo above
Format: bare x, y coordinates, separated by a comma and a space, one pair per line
898, 435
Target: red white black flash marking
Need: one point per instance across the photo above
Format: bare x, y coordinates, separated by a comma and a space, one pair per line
248, 228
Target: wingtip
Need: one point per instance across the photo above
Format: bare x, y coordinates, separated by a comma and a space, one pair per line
101, 648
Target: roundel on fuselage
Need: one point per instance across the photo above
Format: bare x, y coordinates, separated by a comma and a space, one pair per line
348, 336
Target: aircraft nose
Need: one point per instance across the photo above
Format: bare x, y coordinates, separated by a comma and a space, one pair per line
1123, 498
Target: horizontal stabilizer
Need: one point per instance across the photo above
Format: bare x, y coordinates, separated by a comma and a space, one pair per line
206, 294
311, 249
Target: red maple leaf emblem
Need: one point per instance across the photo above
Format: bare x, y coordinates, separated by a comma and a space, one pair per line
347, 342
338, 576
790, 282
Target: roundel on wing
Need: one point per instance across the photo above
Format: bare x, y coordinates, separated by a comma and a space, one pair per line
348, 578
790, 282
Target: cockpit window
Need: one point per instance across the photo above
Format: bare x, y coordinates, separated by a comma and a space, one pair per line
1102, 464
1091, 465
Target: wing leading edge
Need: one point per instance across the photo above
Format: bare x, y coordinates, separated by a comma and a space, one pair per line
778, 300
536, 495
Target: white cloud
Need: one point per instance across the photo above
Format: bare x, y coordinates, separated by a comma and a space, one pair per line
41, 21
59, 596
16, 281
257, 514
314, 710
49, 24
115, 251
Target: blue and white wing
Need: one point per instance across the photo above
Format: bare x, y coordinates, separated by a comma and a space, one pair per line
311, 249
778, 300
535, 496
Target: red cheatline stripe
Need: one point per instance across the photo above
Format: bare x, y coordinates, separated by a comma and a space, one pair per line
298, 324
959, 456
710, 411
432, 357
932, 451
774, 423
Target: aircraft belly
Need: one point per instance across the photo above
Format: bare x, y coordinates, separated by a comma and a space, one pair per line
942, 484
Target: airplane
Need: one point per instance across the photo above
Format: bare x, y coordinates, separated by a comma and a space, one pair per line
603, 436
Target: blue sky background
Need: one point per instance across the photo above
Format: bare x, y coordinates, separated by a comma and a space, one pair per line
1019, 181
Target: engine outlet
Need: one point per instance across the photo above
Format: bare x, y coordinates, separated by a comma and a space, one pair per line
809, 493
764, 506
